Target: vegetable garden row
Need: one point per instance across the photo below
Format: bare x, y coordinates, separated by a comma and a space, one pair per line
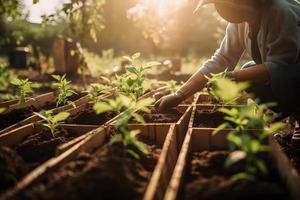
109, 142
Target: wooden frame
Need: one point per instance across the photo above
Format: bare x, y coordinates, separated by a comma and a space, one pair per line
201, 139
34, 118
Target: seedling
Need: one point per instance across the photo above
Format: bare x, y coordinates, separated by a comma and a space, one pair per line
24, 87
123, 133
133, 82
250, 127
224, 91
52, 122
64, 88
95, 90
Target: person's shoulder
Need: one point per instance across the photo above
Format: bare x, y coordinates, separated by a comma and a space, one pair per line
282, 8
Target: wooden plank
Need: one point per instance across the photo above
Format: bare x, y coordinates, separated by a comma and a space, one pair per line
8, 103
37, 102
16, 136
80, 105
287, 171
179, 171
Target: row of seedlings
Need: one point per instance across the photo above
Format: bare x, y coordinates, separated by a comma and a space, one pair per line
61, 137
232, 159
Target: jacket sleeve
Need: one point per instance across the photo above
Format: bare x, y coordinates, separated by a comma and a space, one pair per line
282, 60
283, 40
228, 55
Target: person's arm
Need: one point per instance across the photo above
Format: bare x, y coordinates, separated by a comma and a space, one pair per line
255, 74
226, 57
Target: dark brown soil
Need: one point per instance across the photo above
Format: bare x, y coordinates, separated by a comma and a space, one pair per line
208, 179
109, 173
292, 151
172, 116
17, 162
12, 168
40, 147
89, 117
208, 119
14, 117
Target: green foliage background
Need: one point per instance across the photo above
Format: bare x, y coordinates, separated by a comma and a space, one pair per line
183, 32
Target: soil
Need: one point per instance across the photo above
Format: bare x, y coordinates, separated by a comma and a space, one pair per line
208, 119
18, 161
292, 151
108, 173
172, 116
207, 179
89, 117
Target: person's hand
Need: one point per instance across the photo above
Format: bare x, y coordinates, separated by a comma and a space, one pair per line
168, 102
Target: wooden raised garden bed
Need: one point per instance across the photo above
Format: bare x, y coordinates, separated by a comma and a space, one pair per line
200, 171
105, 171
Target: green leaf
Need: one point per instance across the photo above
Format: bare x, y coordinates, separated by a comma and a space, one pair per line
116, 139
138, 118
133, 154
60, 117
275, 127
102, 107
242, 176
235, 157
220, 128
2, 110
40, 115
261, 166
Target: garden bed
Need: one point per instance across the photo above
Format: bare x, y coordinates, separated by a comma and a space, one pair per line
25, 149
92, 169
20, 112
34, 118
199, 172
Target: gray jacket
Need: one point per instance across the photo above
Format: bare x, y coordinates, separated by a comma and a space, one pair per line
278, 40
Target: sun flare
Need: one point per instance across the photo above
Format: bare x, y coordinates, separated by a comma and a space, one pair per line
163, 6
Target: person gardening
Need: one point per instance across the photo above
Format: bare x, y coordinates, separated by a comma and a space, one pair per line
269, 32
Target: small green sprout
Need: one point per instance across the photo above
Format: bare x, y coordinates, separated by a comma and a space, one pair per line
224, 91
64, 88
130, 110
52, 122
24, 87
133, 82
95, 90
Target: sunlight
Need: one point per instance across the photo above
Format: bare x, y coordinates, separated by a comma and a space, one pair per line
163, 6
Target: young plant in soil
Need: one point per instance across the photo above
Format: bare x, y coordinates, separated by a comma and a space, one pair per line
250, 126
95, 90
64, 88
130, 108
52, 121
224, 91
133, 82
24, 87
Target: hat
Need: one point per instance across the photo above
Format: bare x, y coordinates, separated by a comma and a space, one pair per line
236, 4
